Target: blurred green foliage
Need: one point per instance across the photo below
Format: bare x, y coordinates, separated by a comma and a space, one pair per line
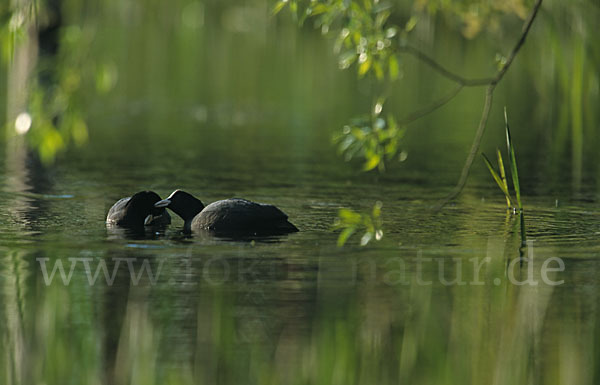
473, 17
14, 19
373, 138
365, 37
363, 34
56, 97
350, 222
54, 88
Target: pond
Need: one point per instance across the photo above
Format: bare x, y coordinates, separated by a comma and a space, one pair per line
446, 296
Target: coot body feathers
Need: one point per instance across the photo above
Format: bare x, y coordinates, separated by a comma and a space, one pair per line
228, 217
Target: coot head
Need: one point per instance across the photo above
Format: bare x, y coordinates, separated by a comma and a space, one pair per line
137, 210
141, 207
183, 204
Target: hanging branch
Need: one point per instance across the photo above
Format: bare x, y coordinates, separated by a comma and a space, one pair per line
461, 81
491, 84
432, 107
442, 70
487, 107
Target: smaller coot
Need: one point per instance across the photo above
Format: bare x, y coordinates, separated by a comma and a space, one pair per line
138, 210
229, 217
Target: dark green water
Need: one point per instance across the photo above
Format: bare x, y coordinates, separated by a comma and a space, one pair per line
223, 113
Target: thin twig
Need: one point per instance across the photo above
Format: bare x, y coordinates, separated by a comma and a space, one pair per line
489, 95
443, 71
517, 47
486, 109
432, 107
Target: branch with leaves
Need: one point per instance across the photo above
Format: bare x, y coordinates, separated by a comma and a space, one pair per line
366, 37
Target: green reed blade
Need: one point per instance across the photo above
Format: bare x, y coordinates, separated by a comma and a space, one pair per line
503, 176
497, 178
513, 162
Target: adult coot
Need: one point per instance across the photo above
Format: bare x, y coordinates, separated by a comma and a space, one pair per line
229, 217
138, 210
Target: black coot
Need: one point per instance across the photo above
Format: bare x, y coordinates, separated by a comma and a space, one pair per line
138, 210
229, 217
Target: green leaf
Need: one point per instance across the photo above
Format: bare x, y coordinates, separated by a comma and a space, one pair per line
79, 131
391, 122
318, 9
381, 6
344, 235
366, 238
51, 143
411, 24
378, 71
382, 16
346, 59
372, 162
367, 4
278, 7
503, 174
513, 162
496, 176
294, 9
346, 143
363, 68
393, 67
358, 133
377, 209
349, 216
391, 148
